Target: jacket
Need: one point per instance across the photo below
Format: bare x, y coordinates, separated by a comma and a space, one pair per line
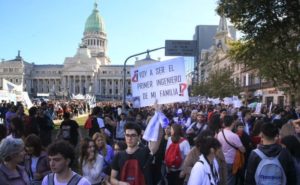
7, 177
193, 157
42, 166
272, 150
202, 174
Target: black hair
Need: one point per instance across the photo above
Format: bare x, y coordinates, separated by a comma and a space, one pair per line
34, 141
228, 120
64, 148
293, 145
200, 138
133, 126
66, 115
207, 144
269, 130
121, 144
32, 111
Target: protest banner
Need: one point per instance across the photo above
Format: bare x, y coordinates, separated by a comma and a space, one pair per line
164, 81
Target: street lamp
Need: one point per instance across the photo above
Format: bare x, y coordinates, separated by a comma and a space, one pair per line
124, 72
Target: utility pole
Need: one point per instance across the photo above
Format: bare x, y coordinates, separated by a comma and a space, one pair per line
124, 72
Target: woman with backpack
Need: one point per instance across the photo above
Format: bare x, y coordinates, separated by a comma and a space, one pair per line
206, 169
176, 151
91, 163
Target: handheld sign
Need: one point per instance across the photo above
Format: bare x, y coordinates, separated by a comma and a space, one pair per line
164, 81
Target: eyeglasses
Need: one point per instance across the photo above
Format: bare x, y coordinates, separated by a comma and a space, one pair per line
131, 135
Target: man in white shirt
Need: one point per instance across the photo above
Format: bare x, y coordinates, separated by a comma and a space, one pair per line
61, 156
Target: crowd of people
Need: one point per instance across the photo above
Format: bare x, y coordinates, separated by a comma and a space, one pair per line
194, 144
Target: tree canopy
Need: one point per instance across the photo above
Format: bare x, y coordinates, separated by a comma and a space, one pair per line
219, 84
271, 31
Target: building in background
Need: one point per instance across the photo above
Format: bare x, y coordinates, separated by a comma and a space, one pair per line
215, 57
89, 71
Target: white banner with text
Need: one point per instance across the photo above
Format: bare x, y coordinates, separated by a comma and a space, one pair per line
164, 81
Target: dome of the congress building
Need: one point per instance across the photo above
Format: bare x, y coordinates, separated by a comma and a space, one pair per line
94, 23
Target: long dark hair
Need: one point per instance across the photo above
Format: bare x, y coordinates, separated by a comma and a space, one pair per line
83, 150
293, 145
177, 132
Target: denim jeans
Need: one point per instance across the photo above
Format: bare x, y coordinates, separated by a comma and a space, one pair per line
230, 177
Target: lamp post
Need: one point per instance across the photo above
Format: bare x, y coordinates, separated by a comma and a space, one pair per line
124, 72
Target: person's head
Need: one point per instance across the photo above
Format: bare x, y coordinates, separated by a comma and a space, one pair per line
87, 150
132, 134
292, 144
167, 130
239, 127
210, 146
297, 127
66, 115
119, 146
17, 127
194, 114
44, 105
228, 121
201, 117
123, 116
199, 139
176, 132
33, 145
97, 111
223, 113
61, 155
32, 111
12, 150
100, 140
269, 132
20, 109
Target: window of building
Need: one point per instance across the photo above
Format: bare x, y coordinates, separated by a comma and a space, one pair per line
104, 72
117, 91
110, 91
11, 70
5, 70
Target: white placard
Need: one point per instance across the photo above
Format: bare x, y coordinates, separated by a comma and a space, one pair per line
258, 108
164, 81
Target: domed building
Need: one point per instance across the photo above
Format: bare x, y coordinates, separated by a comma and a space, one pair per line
89, 71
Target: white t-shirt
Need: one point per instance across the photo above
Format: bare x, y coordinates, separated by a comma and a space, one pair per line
83, 181
100, 122
34, 161
184, 147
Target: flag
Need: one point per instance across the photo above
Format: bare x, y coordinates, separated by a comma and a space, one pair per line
152, 130
9, 86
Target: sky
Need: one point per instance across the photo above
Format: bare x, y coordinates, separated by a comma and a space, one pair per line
47, 31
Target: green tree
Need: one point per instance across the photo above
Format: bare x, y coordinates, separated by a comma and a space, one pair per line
219, 84
271, 31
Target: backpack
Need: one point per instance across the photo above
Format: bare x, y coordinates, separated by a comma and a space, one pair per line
88, 123
269, 170
73, 181
132, 173
173, 158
